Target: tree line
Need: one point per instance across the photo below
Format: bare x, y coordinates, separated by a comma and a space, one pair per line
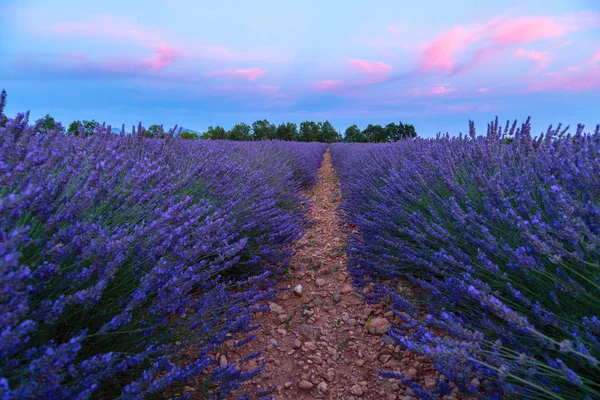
308, 131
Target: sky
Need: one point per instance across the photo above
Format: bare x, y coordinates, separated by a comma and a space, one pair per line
433, 64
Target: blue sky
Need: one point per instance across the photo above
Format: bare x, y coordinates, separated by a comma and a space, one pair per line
434, 64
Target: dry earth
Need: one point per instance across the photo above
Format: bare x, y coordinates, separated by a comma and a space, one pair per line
327, 342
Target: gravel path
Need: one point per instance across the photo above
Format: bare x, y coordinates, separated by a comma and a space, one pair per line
324, 341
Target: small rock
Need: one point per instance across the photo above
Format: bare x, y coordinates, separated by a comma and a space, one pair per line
430, 383
274, 343
378, 326
356, 390
384, 358
351, 322
309, 332
222, 360
276, 308
282, 318
287, 385
346, 289
336, 297
305, 385
410, 374
281, 331
322, 387
317, 301
387, 340
320, 282
298, 290
297, 344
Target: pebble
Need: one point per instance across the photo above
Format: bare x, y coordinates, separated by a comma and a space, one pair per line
276, 308
351, 322
356, 390
346, 289
274, 343
322, 387
297, 344
387, 340
305, 385
378, 326
282, 331
298, 290
336, 297
309, 332
282, 318
222, 360
320, 282
287, 385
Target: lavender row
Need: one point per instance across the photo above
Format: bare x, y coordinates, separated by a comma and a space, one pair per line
125, 262
488, 248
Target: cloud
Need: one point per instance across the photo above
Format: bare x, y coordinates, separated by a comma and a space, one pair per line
448, 52
433, 91
568, 80
481, 90
249, 74
79, 65
122, 30
371, 67
328, 85
541, 58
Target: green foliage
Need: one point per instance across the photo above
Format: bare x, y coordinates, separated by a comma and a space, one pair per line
154, 131
48, 124
240, 131
328, 134
309, 131
375, 133
263, 130
216, 133
88, 128
354, 134
287, 131
189, 135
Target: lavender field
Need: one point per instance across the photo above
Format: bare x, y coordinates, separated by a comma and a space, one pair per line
495, 241
126, 263
119, 254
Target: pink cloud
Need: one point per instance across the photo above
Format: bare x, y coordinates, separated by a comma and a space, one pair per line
568, 80
541, 58
328, 85
78, 64
371, 67
481, 90
524, 30
249, 74
434, 91
444, 52
163, 56
392, 29
123, 30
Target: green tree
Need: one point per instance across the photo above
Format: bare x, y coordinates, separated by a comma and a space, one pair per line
153, 131
398, 132
48, 123
354, 134
375, 133
88, 128
309, 131
262, 130
240, 131
287, 131
216, 133
189, 135
327, 133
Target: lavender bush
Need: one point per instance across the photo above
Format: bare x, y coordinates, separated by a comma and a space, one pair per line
489, 249
125, 262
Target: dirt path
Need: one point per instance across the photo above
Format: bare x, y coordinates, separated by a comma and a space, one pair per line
317, 343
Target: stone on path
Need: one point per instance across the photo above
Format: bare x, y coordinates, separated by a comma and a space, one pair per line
276, 308
309, 332
305, 385
378, 326
298, 290
346, 289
